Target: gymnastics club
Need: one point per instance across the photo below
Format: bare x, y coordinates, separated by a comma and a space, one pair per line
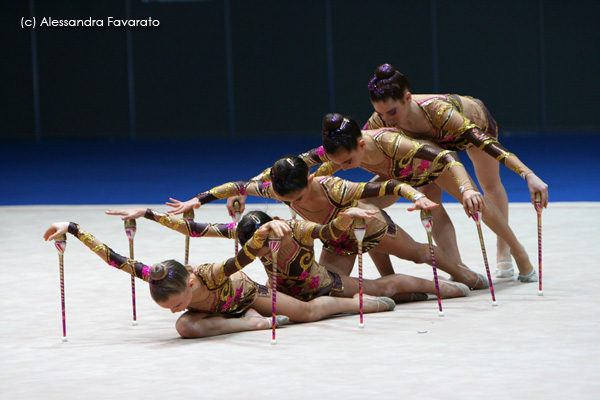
538, 209
130, 227
359, 231
188, 216
60, 242
274, 245
477, 219
236, 219
427, 221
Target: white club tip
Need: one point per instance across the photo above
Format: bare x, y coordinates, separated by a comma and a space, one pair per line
441, 314
494, 303
540, 292
361, 325
134, 323
65, 339
273, 341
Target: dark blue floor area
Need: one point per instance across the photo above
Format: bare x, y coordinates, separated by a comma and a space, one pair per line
151, 171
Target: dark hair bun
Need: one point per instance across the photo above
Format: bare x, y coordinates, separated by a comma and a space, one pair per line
385, 71
332, 122
158, 271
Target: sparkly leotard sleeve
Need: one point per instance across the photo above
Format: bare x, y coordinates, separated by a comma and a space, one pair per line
253, 188
192, 228
132, 267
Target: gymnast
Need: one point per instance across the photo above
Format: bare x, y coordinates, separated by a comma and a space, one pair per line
390, 154
455, 123
301, 276
321, 199
219, 297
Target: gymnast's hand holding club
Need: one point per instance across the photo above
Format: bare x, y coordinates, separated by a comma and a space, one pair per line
537, 187
56, 229
241, 205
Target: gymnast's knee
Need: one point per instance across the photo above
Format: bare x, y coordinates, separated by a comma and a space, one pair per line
422, 256
186, 328
492, 189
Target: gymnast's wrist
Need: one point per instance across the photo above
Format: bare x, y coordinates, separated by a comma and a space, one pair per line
525, 174
418, 196
343, 222
466, 189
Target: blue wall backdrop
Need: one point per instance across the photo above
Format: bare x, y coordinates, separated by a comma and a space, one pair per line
222, 88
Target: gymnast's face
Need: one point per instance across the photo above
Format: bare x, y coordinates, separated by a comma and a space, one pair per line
180, 301
349, 159
393, 111
300, 196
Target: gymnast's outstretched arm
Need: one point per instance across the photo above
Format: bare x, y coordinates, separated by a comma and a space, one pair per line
306, 231
132, 267
181, 225
227, 190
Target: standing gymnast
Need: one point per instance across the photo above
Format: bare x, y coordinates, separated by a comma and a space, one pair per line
214, 294
390, 154
455, 123
300, 276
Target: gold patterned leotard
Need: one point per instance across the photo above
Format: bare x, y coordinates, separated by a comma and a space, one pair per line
192, 228
340, 195
231, 291
406, 160
458, 123
298, 273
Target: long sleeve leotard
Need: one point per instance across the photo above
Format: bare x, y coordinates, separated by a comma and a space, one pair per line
405, 160
458, 123
340, 195
298, 273
192, 228
231, 291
